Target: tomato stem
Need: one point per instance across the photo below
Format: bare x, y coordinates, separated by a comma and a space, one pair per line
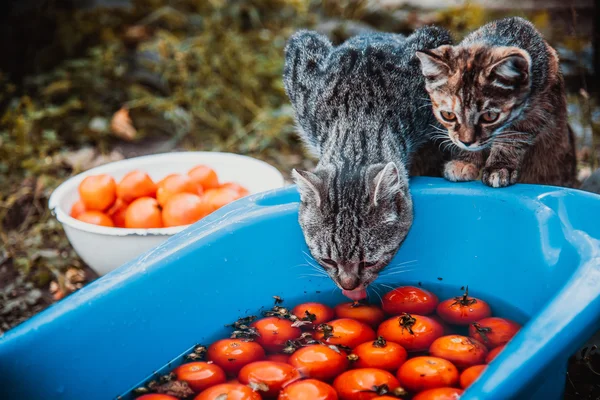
406, 321
380, 342
464, 300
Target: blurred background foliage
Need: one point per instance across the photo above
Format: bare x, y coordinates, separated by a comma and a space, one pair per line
101, 80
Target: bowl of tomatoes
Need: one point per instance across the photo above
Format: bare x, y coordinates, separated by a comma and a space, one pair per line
117, 211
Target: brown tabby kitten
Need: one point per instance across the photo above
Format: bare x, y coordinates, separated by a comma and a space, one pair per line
500, 95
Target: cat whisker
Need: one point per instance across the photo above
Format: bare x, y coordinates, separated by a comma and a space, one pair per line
399, 272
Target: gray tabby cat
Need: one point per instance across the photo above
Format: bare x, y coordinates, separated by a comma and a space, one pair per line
363, 110
500, 95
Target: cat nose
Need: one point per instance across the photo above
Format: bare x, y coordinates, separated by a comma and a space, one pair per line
349, 282
467, 142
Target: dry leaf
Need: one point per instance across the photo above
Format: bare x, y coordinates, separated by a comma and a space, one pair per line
121, 125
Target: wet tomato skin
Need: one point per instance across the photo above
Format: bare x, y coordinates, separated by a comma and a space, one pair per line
422, 373
470, 375
308, 389
347, 332
200, 375
274, 374
369, 314
494, 353
463, 310
321, 312
494, 331
462, 351
446, 393
284, 358
156, 396
233, 354
275, 332
319, 362
358, 384
423, 331
388, 356
409, 299
233, 391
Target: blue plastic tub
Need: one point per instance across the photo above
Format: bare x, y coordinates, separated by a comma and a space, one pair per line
532, 251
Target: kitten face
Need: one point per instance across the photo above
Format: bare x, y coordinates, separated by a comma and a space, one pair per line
354, 222
476, 91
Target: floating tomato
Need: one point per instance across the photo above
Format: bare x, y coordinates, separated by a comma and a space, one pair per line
275, 332
229, 391
380, 354
319, 362
233, 354
345, 332
470, 375
369, 314
308, 389
413, 332
421, 373
410, 300
272, 374
462, 351
463, 310
364, 383
494, 331
200, 375
316, 313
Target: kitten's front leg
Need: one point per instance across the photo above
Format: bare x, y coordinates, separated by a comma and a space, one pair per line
464, 167
503, 165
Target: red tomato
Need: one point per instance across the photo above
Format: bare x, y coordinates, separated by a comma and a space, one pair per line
362, 383
386, 397
345, 331
309, 389
319, 362
284, 358
275, 332
410, 300
471, 374
446, 393
273, 374
380, 354
493, 353
233, 354
156, 396
200, 375
369, 314
413, 332
462, 351
230, 391
463, 310
421, 373
320, 312
493, 331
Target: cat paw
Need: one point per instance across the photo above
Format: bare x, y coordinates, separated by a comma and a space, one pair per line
499, 177
460, 171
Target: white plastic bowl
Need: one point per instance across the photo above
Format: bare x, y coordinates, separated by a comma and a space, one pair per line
104, 248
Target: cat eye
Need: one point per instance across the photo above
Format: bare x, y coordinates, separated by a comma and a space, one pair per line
365, 264
489, 116
329, 262
448, 116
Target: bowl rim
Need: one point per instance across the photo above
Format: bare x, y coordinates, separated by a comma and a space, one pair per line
65, 219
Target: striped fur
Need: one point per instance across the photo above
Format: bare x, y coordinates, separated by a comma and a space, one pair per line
363, 110
504, 69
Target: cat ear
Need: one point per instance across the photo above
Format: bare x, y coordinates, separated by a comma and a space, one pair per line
433, 65
309, 185
305, 52
386, 183
510, 67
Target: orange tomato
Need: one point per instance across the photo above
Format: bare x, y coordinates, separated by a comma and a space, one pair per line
204, 176
284, 358
173, 184
200, 375
117, 213
97, 192
362, 383
185, 209
463, 310
320, 312
77, 208
273, 374
220, 197
413, 332
96, 218
380, 354
164, 179
345, 332
233, 354
493, 353
445, 393
319, 362
275, 332
462, 351
409, 299
386, 397
230, 391
308, 389
493, 331
470, 375
421, 373
242, 191
143, 213
156, 396
134, 185
369, 314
